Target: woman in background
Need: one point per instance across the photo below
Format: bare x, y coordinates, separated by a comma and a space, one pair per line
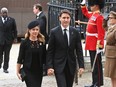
30, 56
110, 48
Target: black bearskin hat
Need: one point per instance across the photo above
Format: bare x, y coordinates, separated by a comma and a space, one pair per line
101, 3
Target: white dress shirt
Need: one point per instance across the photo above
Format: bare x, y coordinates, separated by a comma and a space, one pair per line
67, 32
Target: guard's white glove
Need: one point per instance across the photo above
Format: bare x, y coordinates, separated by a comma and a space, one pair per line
83, 2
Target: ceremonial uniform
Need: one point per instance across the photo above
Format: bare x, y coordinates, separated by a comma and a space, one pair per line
94, 36
94, 31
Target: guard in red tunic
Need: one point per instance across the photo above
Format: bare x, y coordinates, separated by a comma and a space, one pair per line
94, 38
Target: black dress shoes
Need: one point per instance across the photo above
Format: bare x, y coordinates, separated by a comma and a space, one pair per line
5, 71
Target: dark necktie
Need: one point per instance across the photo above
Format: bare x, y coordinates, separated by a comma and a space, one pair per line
65, 37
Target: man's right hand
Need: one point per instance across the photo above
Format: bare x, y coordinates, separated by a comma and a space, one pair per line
83, 2
50, 71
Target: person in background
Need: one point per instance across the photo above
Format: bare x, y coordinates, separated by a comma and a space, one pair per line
64, 48
30, 56
8, 34
94, 38
110, 47
41, 18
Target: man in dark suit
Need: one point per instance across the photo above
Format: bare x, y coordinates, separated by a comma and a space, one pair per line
41, 18
8, 34
64, 49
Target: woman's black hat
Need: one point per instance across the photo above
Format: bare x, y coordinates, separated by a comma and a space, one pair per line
33, 24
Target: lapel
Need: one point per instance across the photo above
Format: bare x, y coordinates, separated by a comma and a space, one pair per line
8, 18
1, 22
70, 35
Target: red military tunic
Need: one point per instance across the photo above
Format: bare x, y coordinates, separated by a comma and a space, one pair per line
94, 31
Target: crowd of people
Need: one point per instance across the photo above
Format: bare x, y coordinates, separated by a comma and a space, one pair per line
64, 51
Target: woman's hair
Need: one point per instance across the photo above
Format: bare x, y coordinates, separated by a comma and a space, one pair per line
40, 36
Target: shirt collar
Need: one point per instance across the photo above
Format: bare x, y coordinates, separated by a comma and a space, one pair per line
3, 18
65, 28
39, 13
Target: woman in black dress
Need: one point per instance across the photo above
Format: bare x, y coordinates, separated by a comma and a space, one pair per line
30, 56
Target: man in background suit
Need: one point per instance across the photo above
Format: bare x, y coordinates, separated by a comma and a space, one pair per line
64, 48
41, 18
8, 33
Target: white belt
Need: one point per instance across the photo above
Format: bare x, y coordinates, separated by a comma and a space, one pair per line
92, 34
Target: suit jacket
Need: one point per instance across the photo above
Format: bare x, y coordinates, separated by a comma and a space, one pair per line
42, 23
58, 53
8, 31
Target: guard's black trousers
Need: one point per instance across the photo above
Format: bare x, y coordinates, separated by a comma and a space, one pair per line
97, 74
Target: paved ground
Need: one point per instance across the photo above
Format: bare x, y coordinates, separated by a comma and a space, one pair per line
11, 80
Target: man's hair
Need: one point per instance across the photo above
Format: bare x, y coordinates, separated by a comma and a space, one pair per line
64, 11
38, 6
